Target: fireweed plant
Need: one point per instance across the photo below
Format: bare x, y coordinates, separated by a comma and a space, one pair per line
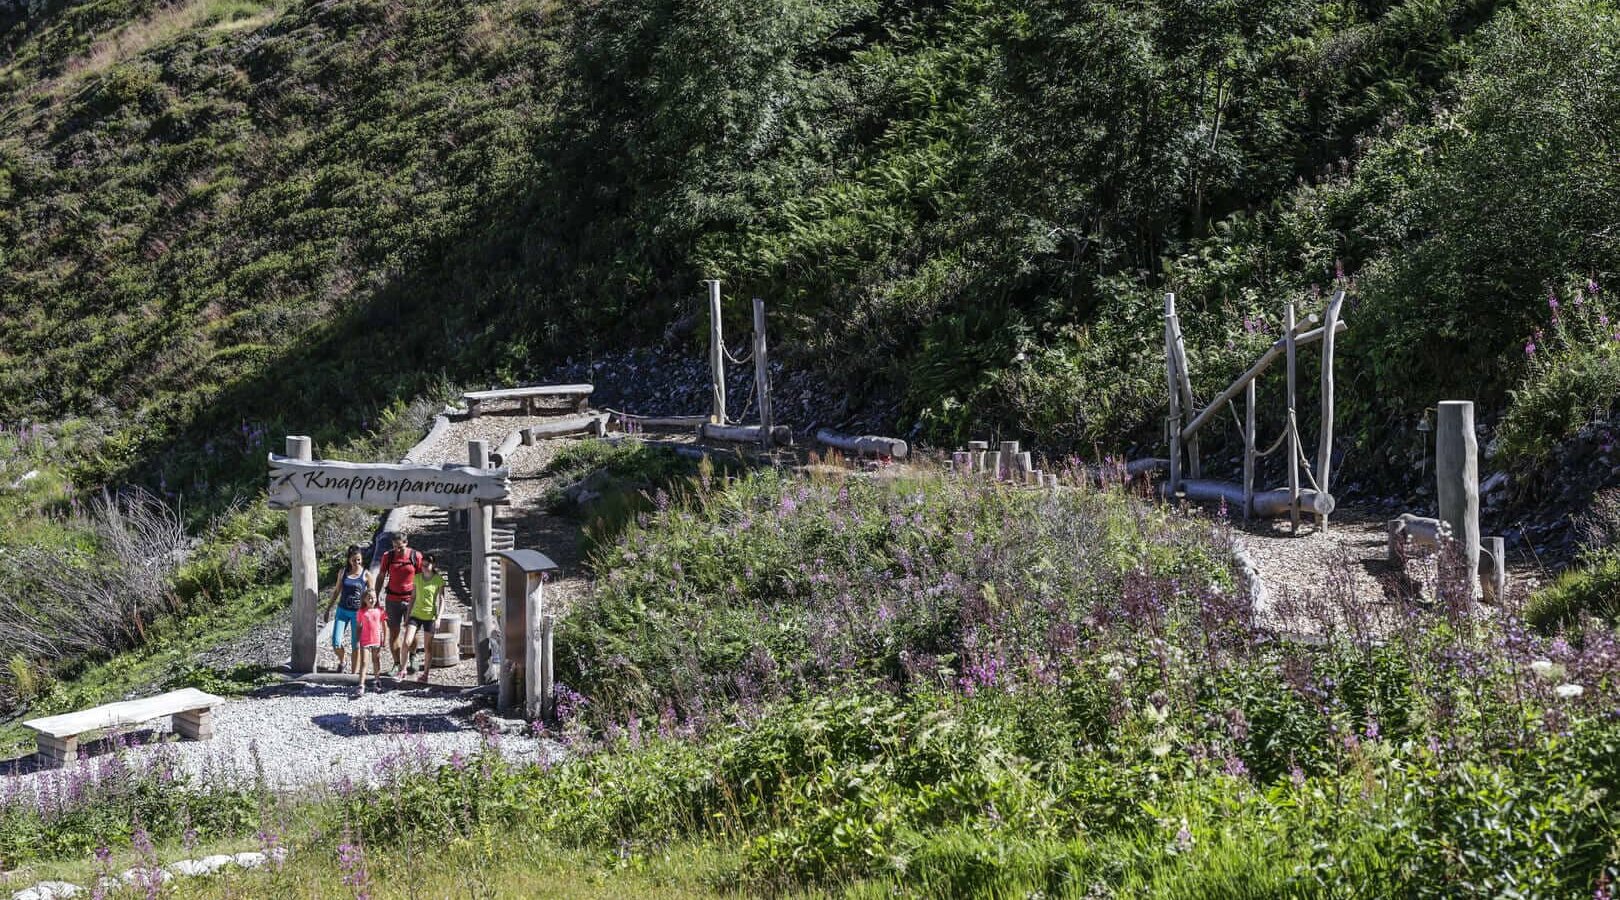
928, 686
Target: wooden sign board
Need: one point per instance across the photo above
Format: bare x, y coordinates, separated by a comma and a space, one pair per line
296, 482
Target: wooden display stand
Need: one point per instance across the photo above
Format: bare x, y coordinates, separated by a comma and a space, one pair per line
526, 672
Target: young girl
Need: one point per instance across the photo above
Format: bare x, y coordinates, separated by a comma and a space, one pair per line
373, 625
352, 584
426, 607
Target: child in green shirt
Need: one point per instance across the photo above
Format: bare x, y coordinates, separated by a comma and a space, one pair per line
427, 605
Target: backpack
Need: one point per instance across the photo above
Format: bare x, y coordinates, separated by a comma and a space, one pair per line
415, 559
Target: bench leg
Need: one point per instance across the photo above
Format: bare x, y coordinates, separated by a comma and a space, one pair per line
528, 406
582, 404
197, 726
56, 752
472, 409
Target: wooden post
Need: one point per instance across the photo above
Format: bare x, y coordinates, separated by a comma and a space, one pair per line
1292, 442
1496, 548
1174, 420
1456, 469
1009, 461
992, 465
762, 375
1026, 465
977, 451
1248, 449
717, 355
301, 547
548, 699
1178, 351
1324, 441
481, 521
536, 656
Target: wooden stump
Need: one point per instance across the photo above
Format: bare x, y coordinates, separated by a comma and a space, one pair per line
55, 752
197, 726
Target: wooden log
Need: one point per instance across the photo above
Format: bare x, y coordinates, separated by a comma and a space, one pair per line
864, 445
1249, 454
481, 522
1264, 362
1009, 461
1051, 481
742, 434
1324, 440
1174, 425
510, 443
1267, 504
1456, 469
762, 376
992, 465
1033, 477
301, 553
566, 425
717, 357
1025, 465
961, 462
679, 423
1292, 440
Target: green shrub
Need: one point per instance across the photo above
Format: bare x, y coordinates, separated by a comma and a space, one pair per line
1589, 588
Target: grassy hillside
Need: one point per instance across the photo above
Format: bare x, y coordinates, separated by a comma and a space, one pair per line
227, 217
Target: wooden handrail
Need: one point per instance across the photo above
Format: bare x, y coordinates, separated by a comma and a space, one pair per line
1260, 365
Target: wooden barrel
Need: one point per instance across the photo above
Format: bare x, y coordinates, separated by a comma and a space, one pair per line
445, 650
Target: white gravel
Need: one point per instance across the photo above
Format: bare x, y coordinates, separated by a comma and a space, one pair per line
305, 735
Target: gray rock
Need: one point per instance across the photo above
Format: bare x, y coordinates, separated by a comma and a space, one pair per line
48, 890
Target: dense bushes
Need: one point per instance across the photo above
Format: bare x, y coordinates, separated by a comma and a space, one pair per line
223, 208
777, 585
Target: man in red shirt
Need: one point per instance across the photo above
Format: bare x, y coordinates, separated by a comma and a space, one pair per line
397, 584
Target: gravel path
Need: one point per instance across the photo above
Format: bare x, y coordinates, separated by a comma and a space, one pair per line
304, 735
1316, 580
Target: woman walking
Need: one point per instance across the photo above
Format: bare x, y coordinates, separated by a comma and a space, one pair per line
426, 608
352, 585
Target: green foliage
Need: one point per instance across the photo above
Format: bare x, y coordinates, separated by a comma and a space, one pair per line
1572, 377
1589, 588
777, 584
227, 220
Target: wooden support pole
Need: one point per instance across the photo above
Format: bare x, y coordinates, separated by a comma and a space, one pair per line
481, 522
717, 355
1174, 420
1178, 348
1249, 454
1026, 465
535, 654
301, 553
992, 465
1324, 441
1293, 434
977, 450
762, 375
548, 698
1456, 469
1493, 557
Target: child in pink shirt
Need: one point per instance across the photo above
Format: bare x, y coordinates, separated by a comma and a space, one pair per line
372, 627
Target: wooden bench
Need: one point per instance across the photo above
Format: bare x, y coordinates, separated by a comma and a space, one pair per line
57, 737
580, 394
